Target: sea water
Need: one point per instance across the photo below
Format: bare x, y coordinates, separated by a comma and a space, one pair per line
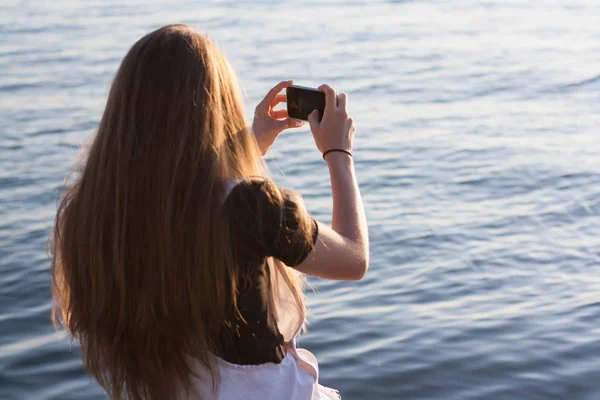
477, 152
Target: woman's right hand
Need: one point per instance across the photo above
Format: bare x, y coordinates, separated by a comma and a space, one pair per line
336, 129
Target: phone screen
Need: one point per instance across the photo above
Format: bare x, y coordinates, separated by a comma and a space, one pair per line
301, 101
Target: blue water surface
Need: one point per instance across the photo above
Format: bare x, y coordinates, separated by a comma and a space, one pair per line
477, 152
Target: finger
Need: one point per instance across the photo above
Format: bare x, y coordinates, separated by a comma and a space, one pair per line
342, 101
313, 119
330, 100
280, 98
290, 123
270, 97
280, 114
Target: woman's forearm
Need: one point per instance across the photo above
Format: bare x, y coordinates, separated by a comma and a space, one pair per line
349, 219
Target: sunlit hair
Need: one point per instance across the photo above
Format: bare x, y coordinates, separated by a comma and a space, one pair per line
142, 274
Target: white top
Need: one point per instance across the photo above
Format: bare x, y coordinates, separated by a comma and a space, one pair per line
295, 378
288, 380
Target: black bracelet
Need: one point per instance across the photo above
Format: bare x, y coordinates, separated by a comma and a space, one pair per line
340, 150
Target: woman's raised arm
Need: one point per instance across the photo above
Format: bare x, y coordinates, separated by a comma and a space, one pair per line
342, 250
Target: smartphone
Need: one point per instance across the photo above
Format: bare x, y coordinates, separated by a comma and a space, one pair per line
301, 101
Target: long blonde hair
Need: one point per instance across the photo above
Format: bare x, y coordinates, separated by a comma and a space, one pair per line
139, 266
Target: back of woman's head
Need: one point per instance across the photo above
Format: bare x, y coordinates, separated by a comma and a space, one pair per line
140, 274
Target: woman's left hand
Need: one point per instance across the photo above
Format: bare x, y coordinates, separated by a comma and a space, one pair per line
269, 123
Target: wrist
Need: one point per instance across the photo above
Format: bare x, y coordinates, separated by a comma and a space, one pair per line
263, 147
338, 158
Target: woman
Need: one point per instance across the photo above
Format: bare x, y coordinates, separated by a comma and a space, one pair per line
176, 263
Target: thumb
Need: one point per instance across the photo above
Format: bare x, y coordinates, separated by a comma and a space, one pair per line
290, 123
313, 119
